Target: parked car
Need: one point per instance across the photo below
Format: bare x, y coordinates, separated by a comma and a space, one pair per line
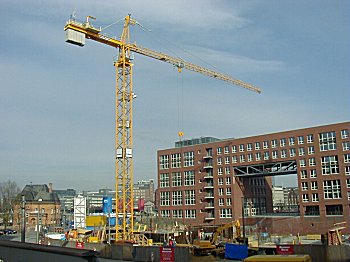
8, 231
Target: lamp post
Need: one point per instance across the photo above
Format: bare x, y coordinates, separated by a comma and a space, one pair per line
23, 219
38, 221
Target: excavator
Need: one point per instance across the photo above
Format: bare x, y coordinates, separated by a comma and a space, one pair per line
205, 247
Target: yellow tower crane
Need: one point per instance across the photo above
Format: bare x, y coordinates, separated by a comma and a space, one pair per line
76, 33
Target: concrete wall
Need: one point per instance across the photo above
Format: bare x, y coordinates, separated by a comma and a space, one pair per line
320, 253
11, 251
127, 251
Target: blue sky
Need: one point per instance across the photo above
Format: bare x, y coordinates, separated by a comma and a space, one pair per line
57, 100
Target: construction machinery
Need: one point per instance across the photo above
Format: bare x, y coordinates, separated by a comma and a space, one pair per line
203, 246
76, 33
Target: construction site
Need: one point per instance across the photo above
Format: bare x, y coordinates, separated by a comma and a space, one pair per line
214, 197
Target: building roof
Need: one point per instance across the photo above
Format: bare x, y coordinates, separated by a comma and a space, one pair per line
33, 193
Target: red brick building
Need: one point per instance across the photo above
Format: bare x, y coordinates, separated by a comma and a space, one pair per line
205, 181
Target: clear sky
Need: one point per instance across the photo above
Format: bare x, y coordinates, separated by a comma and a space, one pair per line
57, 100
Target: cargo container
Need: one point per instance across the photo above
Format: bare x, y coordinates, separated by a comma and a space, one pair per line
96, 221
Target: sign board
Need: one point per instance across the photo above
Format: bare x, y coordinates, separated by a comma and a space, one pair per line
167, 254
285, 249
79, 245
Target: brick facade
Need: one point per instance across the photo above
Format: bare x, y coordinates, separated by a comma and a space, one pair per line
204, 183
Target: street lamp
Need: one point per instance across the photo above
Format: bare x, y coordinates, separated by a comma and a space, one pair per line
23, 219
38, 221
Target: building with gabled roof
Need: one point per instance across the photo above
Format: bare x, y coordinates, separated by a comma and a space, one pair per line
42, 206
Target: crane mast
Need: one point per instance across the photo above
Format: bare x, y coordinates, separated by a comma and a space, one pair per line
76, 33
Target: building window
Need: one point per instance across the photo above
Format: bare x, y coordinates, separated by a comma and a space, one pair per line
329, 165
190, 197
347, 170
228, 180
177, 213
312, 161
334, 210
300, 140
228, 191
348, 195
313, 173
305, 197
250, 157
312, 211
188, 159
189, 178
311, 150
314, 197
219, 150
242, 158
258, 156
274, 143
327, 141
310, 138
257, 145
228, 201
177, 198
176, 179
176, 160
303, 174
292, 152
227, 170
301, 151
221, 201
164, 162
234, 149
314, 185
346, 146
266, 155
220, 171
225, 213
347, 158
227, 160
304, 186
282, 142
241, 148
226, 150
291, 141
165, 213
190, 213
221, 191
265, 144
302, 163
234, 159
220, 181
219, 161
331, 189
249, 147
344, 133
284, 153
165, 198
164, 180
348, 182
274, 154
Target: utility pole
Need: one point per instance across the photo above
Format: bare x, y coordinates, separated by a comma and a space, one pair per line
23, 219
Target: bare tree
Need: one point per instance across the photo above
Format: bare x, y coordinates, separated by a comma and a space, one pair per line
8, 192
